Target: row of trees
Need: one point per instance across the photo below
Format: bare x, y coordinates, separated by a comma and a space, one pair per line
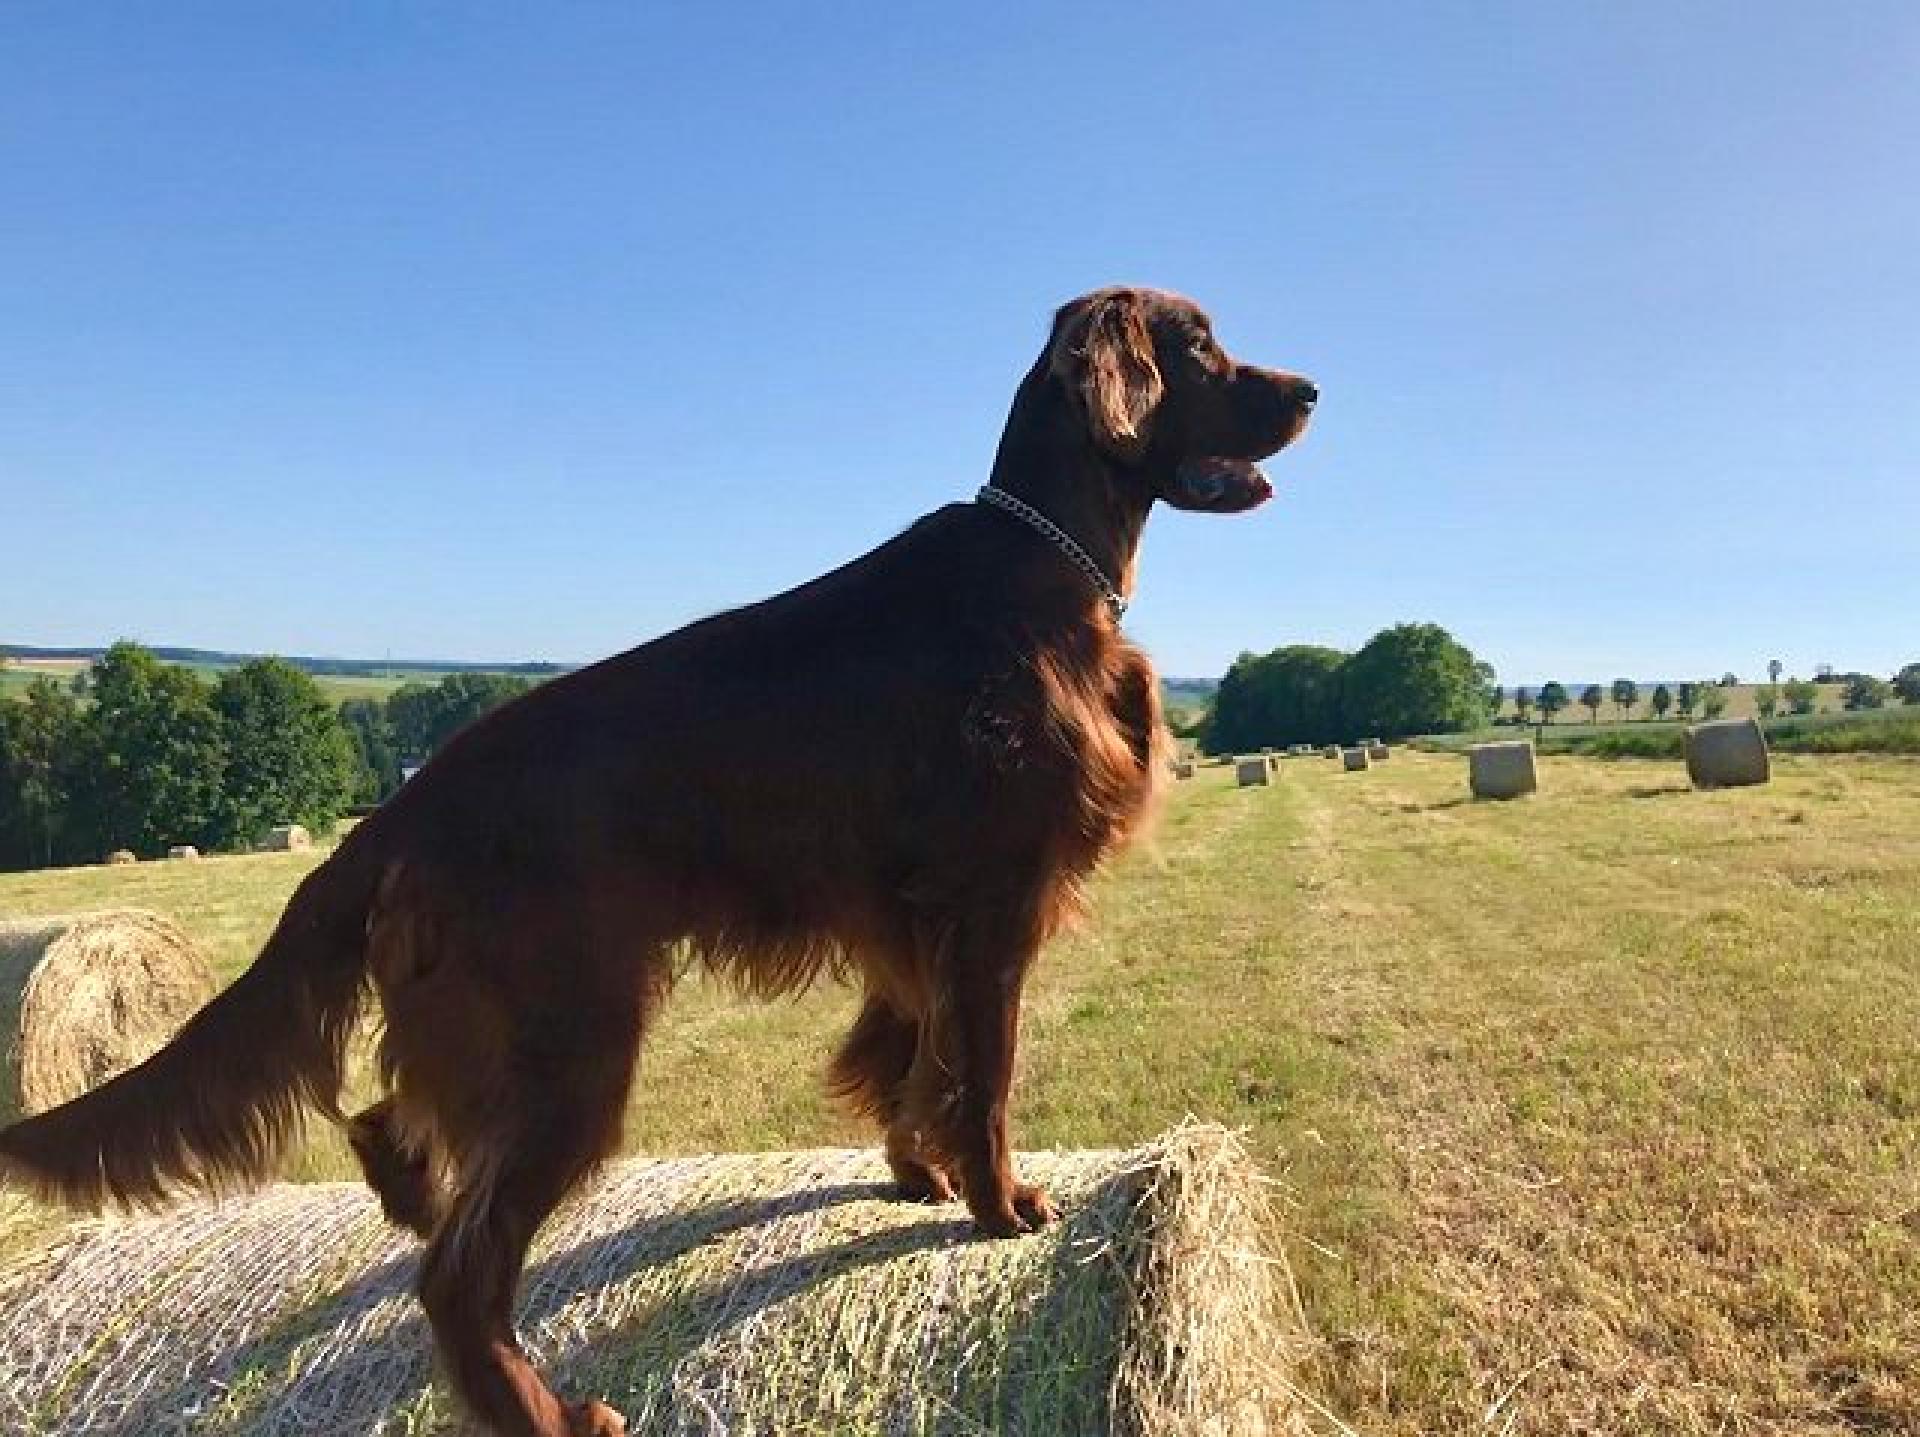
150, 754
1708, 700
1409, 679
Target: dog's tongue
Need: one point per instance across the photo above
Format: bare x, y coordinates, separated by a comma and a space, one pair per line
1218, 484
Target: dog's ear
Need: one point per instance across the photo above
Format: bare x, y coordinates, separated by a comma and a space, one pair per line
1104, 353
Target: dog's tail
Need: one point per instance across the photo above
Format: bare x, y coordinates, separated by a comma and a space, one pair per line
216, 1106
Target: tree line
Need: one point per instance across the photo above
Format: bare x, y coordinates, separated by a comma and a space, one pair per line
1409, 679
141, 755
1858, 692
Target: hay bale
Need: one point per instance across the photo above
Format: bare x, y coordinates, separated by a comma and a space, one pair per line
286, 838
1501, 770
82, 998
1355, 759
122, 855
1727, 753
765, 1293
1251, 771
1184, 768
1332, 750
1378, 752
183, 851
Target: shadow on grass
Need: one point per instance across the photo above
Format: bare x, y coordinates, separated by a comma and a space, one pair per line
1658, 790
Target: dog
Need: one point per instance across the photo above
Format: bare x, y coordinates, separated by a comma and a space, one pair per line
900, 773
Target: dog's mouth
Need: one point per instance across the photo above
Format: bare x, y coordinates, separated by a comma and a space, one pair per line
1218, 484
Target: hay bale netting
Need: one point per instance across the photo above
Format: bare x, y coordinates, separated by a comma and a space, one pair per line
1355, 759
286, 838
183, 851
1727, 753
769, 1293
1251, 771
82, 998
1501, 770
123, 855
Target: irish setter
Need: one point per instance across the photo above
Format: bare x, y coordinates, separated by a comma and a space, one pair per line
899, 773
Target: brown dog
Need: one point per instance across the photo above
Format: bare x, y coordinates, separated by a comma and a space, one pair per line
962, 734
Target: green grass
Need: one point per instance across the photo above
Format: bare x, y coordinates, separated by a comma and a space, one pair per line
1887, 730
1599, 1111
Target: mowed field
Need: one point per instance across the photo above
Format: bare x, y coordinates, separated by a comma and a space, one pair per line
1597, 1112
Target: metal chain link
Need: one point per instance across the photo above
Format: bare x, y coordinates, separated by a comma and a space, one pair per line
1062, 540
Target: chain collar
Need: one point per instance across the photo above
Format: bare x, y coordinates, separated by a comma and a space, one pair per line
1063, 541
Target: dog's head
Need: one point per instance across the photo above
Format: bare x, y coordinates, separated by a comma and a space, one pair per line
1164, 407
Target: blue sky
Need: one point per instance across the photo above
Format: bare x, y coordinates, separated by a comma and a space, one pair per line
531, 331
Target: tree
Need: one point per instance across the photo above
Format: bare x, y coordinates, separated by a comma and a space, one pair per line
1592, 697
1906, 683
1801, 696
1522, 702
289, 760
1688, 699
1292, 695
1774, 667
425, 716
1662, 701
1626, 693
1413, 679
1864, 691
376, 756
1713, 701
151, 757
1553, 698
1766, 699
1729, 680
36, 757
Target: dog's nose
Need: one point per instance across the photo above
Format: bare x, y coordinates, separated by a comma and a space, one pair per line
1307, 393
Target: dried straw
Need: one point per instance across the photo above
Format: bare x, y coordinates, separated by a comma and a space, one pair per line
82, 998
774, 1293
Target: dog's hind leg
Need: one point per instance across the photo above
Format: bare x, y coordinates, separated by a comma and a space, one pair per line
561, 1118
872, 1072
400, 1174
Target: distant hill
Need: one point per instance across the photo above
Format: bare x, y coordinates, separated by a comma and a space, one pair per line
220, 659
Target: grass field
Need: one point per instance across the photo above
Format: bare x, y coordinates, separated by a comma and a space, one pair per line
1598, 1112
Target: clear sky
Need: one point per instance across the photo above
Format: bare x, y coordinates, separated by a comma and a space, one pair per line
505, 331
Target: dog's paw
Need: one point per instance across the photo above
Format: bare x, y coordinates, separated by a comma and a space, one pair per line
1027, 1210
923, 1185
595, 1419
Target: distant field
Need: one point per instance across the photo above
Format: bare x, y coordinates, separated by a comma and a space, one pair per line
1598, 1112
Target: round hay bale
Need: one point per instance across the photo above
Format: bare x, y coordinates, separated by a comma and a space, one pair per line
1355, 759
1332, 750
763, 1293
286, 838
1378, 752
84, 997
1251, 771
183, 851
122, 855
1727, 753
1183, 769
1501, 770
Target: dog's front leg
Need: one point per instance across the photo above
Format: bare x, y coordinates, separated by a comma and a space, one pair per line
975, 1028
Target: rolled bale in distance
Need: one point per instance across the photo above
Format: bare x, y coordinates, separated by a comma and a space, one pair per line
1727, 753
1378, 752
1501, 770
286, 838
761, 1293
1251, 771
1355, 759
84, 997
122, 855
183, 851
1183, 769
1332, 750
